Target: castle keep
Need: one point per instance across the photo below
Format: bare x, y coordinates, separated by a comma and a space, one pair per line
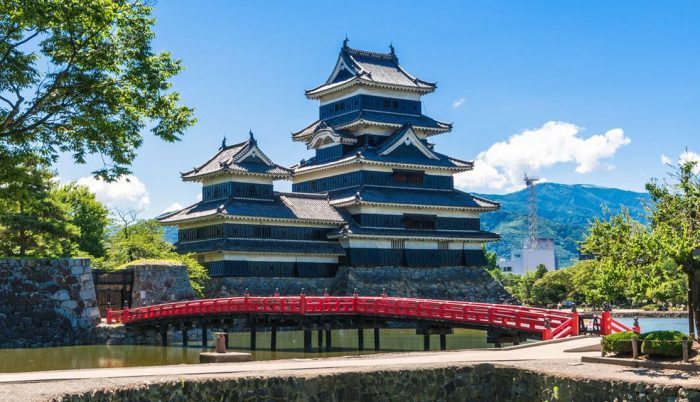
376, 192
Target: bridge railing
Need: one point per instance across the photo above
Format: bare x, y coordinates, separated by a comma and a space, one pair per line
551, 324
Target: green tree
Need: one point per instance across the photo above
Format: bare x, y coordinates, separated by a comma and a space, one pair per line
553, 287
143, 240
33, 222
80, 76
675, 218
623, 248
88, 214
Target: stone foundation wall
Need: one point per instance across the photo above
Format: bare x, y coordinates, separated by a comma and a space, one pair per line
161, 282
46, 302
481, 382
450, 283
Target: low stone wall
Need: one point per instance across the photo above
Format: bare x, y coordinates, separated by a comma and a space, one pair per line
450, 283
160, 282
46, 302
480, 382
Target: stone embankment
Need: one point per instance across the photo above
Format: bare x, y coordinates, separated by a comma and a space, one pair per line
450, 283
46, 302
466, 382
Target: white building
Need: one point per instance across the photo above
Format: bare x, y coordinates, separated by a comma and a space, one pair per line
527, 259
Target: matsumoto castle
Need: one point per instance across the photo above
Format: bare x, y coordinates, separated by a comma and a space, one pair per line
375, 193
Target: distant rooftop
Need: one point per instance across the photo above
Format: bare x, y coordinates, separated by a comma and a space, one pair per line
243, 158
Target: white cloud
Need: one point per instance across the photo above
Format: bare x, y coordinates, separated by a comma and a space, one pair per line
176, 206
458, 103
684, 157
125, 191
502, 166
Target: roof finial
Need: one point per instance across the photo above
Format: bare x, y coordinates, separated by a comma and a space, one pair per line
391, 48
252, 138
345, 42
223, 143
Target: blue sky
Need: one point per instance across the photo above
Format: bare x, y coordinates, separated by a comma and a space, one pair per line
624, 73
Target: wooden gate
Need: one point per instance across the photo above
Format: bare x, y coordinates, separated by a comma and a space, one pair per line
113, 289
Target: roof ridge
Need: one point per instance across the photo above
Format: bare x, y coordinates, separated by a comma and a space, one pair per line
369, 53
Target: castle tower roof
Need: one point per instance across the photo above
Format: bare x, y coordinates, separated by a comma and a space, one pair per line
362, 67
243, 158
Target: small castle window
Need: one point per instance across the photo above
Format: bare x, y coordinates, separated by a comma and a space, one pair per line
443, 245
398, 244
408, 177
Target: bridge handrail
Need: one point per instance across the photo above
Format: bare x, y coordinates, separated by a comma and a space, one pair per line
552, 324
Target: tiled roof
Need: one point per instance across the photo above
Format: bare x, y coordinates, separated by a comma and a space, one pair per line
408, 196
356, 66
286, 206
370, 154
372, 117
353, 228
227, 160
262, 246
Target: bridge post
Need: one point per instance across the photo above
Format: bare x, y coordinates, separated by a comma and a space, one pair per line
227, 330
204, 335
328, 339
443, 341
184, 335
307, 341
376, 339
319, 338
273, 338
574, 322
360, 338
605, 323
426, 341
164, 335
253, 330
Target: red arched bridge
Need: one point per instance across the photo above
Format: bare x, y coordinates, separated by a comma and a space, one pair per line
503, 323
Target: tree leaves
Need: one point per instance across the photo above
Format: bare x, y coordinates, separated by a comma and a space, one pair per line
80, 76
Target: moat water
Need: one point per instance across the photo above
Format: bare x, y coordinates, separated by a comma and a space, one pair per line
289, 346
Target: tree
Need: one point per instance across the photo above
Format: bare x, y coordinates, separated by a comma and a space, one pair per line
33, 222
623, 248
89, 215
143, 240
553, 287
675, 219
80, 76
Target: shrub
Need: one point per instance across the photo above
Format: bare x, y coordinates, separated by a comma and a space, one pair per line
620, 343
650, 307
664, 343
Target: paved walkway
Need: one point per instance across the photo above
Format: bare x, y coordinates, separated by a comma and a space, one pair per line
547, 358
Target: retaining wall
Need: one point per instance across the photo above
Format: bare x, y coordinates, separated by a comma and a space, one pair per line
481, 382
449, 283
46, 302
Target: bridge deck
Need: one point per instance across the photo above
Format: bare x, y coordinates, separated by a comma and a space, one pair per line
547, 323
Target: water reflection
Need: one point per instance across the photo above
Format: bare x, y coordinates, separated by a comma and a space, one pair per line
289, 345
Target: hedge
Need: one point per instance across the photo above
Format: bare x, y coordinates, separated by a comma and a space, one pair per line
620, 342
664, 343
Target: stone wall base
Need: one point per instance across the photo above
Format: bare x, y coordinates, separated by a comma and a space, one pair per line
449, 283
480, 382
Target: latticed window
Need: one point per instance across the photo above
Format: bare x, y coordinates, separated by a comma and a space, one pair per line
443, 245
398, 244
419, 222
408, 177
262, 231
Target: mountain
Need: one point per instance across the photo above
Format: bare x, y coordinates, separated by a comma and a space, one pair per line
564, 212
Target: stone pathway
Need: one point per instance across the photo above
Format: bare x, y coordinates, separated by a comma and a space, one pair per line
550, 358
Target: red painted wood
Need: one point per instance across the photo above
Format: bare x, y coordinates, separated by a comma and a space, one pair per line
530, 319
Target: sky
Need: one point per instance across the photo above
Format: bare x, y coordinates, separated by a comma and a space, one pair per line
595, 92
